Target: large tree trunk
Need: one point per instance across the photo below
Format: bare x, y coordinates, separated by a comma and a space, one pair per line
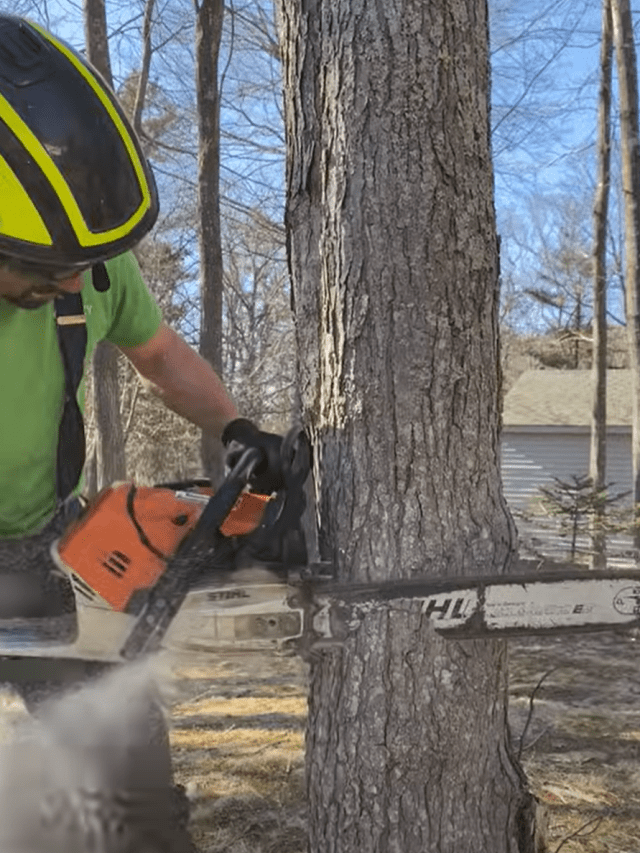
598, 456
209, 17
110, 462
394, 259
630, 153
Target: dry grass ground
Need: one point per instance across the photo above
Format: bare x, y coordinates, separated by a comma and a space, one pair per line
582, 748
238, 743
238, 729
238, 746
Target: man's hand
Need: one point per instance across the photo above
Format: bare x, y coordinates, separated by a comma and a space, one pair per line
240, 435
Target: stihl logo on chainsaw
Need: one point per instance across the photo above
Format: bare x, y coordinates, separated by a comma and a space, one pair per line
448, 607
227, 594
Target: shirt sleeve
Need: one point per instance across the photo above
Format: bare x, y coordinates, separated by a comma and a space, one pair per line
135, 315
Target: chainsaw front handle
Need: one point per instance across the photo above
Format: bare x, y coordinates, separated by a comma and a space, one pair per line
222, 502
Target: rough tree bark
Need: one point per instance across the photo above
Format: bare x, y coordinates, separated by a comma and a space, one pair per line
110, 462
209, 17
598, 455
394, 261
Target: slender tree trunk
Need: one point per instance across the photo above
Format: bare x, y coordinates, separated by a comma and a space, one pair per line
143, 82
209, 17
628, 95
393, 254
598, 458
110, 462
96, 38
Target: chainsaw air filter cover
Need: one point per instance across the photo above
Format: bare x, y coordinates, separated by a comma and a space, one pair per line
123, 541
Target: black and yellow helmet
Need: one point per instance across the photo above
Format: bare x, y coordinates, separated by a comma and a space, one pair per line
75, 187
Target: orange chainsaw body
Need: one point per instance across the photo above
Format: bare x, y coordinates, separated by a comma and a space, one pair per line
124, 539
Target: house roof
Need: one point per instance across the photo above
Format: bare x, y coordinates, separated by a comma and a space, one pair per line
565, 398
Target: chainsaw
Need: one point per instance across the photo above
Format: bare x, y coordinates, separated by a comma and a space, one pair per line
180, 567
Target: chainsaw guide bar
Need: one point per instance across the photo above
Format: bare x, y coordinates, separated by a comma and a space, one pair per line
312, 614
469, 608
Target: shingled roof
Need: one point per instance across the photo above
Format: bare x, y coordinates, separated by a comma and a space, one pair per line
565, 398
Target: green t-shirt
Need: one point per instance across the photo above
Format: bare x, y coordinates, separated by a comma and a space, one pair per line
32, 384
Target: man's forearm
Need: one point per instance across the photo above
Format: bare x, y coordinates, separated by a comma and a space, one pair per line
189, 386
205, 414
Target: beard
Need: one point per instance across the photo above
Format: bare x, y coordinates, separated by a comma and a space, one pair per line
30, 303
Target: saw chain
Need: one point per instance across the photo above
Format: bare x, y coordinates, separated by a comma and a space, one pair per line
310, 614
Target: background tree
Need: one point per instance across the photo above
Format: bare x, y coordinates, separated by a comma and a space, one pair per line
209, 16
107, 462
560, 281
544, 89
259, 345
630, 155
393, 252
598, 448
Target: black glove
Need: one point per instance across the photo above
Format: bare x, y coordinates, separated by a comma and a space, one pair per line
240, 435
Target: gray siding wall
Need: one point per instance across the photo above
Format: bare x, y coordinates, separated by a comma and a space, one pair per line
533, 459
530, 460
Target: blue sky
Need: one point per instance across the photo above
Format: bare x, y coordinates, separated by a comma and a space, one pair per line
542, 149
536, 156
554, 166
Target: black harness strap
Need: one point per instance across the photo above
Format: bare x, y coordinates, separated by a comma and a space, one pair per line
71, 327
72, 341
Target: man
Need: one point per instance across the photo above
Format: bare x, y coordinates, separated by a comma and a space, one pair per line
76, 195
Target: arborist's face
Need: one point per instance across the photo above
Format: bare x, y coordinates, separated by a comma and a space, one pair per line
31, 289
